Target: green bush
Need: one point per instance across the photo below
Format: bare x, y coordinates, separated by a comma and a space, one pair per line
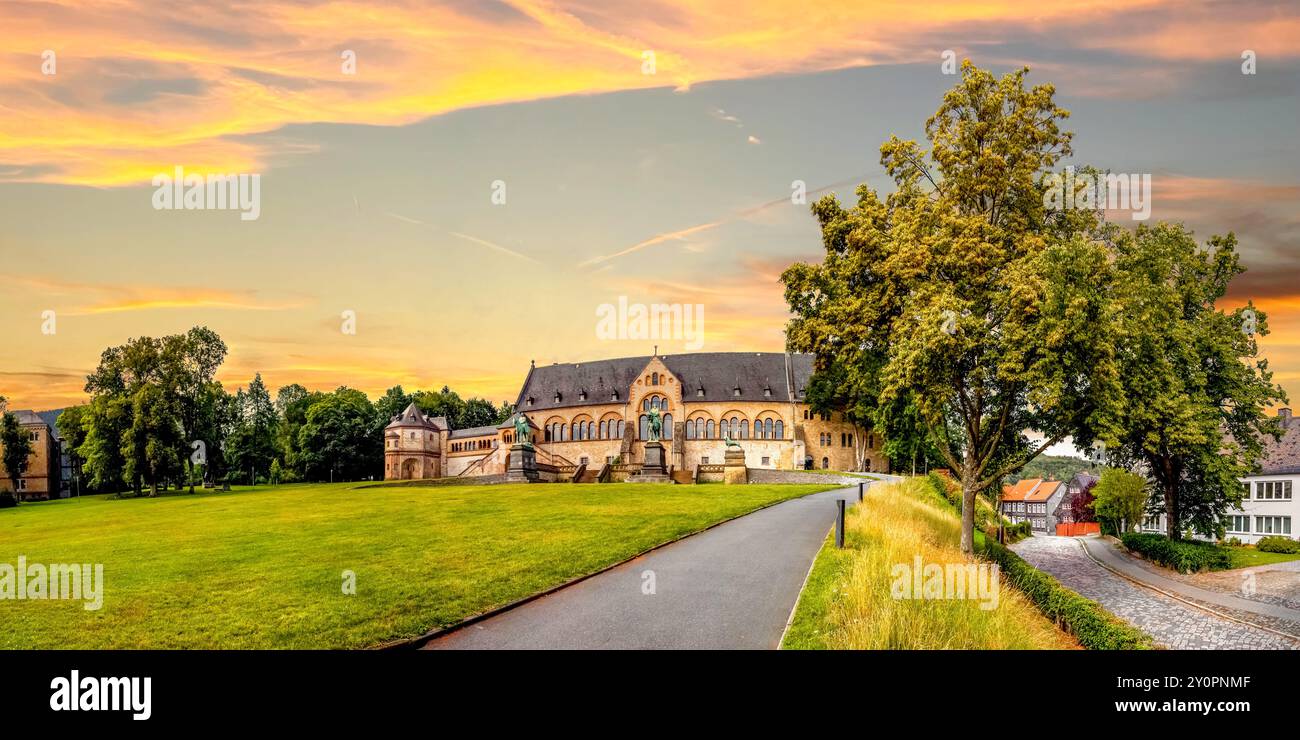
1019, 531
1277, 543
945, 489
1186, 556
1090, 623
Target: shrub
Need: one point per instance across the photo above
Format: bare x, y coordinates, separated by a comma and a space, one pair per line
946, 489
1019, 531
1093, 626
1188, 556
1276, 543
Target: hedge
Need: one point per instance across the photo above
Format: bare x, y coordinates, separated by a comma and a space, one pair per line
1090, 623
1184, 556
1276, 543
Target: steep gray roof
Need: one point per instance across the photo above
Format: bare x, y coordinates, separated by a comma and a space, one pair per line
412, 416
717, 373
473, 432
26, 416
1283, 456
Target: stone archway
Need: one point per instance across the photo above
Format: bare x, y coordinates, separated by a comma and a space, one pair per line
410, 469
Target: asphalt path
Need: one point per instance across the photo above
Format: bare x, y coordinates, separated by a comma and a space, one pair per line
730, 587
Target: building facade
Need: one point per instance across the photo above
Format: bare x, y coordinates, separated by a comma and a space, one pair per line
1034, 500
596, 413
43, 477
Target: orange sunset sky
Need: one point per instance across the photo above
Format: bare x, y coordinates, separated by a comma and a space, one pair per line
664, 187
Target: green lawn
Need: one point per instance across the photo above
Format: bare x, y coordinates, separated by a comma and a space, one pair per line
262, 567
1249, 557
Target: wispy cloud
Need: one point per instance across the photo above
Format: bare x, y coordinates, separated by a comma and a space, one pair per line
740, 215
96, 298
141, 87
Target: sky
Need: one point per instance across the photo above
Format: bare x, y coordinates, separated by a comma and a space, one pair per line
473, 181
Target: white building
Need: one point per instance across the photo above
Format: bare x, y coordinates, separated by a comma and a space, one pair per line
1269, 506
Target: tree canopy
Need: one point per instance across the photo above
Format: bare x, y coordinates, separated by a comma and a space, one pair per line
960, 295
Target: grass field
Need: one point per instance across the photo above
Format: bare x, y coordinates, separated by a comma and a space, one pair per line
1249, 557
848, 604
263, 567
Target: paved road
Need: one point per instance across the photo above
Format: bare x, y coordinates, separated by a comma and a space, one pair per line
1171, 622
732, 586
1105, 551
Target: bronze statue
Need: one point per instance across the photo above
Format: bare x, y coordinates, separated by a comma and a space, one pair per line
656, 424
726, 437
523, 430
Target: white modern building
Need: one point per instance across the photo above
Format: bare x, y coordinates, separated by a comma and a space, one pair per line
1270, 505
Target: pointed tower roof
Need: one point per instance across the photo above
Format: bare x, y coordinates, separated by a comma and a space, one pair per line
412, 416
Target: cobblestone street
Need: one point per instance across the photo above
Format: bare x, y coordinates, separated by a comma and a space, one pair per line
1172, 623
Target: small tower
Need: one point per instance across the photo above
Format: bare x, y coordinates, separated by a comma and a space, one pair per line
412, 446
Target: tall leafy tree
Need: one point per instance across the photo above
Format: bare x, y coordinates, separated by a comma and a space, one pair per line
292, 402
1197, 389
152, 444
17, 444
106, 420
336, 440
1120, 498
189, 365
71, 424
251, 446
961, 293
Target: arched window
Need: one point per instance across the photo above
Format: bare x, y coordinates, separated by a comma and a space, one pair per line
622, 428
825, 463
767, 429
668, 426
690, 430
709, 430
654, 378
643, 431
744, 428
780, 430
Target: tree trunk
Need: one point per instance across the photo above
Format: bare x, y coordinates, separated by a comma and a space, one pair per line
1172, 530
967, 509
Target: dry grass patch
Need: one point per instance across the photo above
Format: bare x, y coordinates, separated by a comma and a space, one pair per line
849, 602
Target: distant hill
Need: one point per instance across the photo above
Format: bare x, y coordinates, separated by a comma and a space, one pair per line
1058, 467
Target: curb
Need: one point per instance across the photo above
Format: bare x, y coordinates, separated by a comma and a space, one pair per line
415, 643
1184, 600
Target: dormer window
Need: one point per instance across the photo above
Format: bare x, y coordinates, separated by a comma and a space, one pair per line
613, 396
736, 391
700, 392
558, 396
582, 396
767, 391
529, 401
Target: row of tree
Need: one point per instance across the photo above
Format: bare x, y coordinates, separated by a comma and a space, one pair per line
157, 416
971, 305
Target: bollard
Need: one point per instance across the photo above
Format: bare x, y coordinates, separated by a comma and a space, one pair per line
860, 487
839, 523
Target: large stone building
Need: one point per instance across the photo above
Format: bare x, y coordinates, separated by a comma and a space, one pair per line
593, 416
43, 478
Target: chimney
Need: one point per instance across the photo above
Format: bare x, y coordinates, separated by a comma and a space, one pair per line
1284, 416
